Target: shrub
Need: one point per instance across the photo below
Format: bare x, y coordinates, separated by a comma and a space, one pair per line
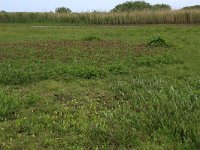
161, 7
63, 10
158, 42
132, 6
139, 5
191, 7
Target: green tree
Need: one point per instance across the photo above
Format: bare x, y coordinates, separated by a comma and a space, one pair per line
161, 6
63, 10
131, 6
191, 7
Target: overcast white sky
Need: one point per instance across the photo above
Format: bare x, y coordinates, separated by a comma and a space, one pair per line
79, 5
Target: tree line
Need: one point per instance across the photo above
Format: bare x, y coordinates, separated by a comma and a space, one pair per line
133, 6
139, 5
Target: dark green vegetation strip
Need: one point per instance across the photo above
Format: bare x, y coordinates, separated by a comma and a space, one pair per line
99, 88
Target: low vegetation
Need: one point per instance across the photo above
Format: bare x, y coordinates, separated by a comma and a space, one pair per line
158, 42
98, 18
97, 87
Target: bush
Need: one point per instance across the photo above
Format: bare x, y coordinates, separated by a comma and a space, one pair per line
132, 6
63, 10
191, 7
161, 7
139, 5
158, 42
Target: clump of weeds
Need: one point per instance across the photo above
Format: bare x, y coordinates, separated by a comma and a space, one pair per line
158, 41
91, 38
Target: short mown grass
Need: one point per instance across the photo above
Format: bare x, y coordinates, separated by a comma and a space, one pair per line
99, 88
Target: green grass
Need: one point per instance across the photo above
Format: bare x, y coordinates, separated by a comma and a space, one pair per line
96, 87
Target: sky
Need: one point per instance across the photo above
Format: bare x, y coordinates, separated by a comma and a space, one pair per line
79, 5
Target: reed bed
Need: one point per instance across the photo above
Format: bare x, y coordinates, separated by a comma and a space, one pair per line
123, 18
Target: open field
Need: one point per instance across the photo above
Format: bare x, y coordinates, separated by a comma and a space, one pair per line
96, 87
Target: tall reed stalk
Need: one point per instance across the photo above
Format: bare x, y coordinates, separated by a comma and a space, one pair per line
123, 18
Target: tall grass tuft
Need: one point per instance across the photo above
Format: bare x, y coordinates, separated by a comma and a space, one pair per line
98, 18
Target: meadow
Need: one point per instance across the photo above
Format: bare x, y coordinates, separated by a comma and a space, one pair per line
99, 87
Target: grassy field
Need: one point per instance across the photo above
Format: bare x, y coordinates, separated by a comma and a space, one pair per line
92, 87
